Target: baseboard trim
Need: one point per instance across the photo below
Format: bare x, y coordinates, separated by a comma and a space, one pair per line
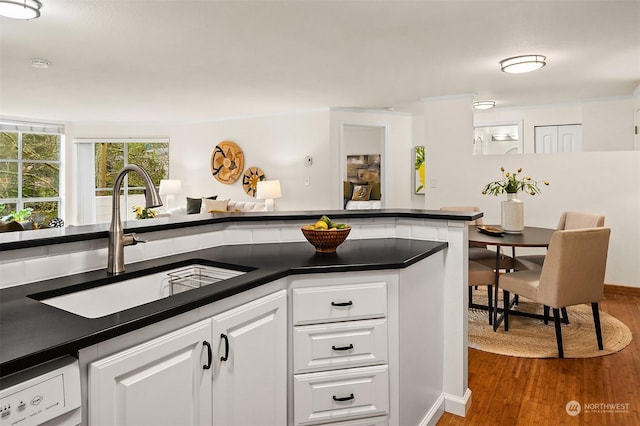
434, 414
621, 289
456, 405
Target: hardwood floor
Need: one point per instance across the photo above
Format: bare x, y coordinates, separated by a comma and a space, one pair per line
520, 391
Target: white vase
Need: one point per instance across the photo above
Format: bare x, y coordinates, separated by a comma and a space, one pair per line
512, 214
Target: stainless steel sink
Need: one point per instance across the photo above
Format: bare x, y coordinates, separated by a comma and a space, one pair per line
111, 298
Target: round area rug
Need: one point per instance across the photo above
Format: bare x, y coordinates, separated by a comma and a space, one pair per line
531, 338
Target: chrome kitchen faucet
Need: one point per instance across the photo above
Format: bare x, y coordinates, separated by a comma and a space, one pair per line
117, 239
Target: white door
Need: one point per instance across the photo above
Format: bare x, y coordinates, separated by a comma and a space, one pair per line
570, 138
546, 139
250, 363
160, 382
563, 138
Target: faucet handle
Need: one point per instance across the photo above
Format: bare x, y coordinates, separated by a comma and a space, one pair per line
132, 239
137, 239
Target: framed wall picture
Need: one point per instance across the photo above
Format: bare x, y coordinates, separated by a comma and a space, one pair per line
363, 168
420, 170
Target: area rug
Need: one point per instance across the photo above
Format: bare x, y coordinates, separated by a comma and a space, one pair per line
531, 338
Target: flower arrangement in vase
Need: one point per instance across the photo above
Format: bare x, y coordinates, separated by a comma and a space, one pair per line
512, 212
511, 183
144, 213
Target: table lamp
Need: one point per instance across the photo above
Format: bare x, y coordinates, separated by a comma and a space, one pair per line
170, 187
267, 190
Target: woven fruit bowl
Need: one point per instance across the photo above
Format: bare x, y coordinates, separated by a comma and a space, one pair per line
326, 240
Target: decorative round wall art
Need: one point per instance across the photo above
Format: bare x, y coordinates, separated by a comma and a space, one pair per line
250, 180
227, 162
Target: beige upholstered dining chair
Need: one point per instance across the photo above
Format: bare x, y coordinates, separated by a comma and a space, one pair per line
568, 220
572, 274
480, 275
479, 252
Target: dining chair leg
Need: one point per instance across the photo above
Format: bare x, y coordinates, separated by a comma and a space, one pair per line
546, 314
596, 320
556, 320
565, 316
490, 303
470, 296
505, 300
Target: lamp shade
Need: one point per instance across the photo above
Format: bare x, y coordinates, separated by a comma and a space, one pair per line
170, 186
268, 189
20, 9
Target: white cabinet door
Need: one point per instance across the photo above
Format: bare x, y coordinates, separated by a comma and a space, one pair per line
570, 138
160, 382
564, 138
250, 363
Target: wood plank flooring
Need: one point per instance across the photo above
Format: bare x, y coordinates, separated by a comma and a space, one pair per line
520, 391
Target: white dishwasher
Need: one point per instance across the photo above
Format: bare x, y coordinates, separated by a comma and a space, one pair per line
47, 394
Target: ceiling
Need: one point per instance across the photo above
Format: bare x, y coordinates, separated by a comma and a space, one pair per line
191, 61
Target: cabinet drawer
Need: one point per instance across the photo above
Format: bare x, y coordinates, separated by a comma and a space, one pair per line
339, 303
339, 345
341, 395
369, 421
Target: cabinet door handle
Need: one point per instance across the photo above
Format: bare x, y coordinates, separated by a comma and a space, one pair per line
342, 348
346, 398
349, 303
226, 347
209, 355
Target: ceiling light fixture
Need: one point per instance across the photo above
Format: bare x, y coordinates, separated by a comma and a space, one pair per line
521, 64
40, 63
484, 104
20, 9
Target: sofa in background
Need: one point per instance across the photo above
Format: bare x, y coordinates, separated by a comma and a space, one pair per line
212, 204
362, 196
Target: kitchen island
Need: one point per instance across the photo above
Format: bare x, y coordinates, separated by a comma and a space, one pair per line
269, 248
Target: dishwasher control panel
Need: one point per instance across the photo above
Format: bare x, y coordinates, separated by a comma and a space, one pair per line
46, 393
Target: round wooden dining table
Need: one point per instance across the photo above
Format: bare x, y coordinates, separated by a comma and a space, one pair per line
531, 236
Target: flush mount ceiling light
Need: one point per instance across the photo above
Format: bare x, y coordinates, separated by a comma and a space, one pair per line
20, 9
484, 104
521, 64
40, 63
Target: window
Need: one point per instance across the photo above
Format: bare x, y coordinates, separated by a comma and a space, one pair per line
106, 158
30, 170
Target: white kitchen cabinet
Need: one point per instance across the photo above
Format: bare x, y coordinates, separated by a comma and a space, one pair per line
340, 350
562, 138
341, 394
335, 345
160, 382
250, 363
176, 379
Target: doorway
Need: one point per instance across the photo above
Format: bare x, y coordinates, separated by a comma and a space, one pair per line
362, 165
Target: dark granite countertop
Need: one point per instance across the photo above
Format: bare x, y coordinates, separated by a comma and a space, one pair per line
32, 332
69, 234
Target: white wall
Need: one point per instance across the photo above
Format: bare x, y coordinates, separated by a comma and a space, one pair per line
598, 182
397, 157
276, 144
607, 124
